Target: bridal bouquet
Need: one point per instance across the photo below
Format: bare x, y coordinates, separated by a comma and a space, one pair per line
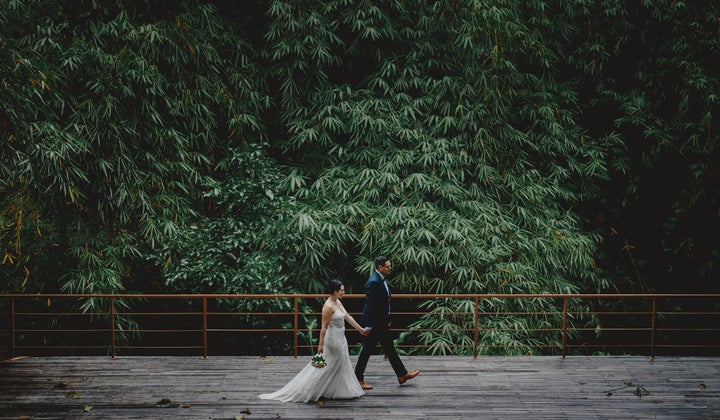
318, 361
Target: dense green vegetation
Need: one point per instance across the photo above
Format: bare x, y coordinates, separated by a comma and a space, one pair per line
264, 147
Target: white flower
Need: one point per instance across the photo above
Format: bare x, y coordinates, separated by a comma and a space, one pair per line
319, 361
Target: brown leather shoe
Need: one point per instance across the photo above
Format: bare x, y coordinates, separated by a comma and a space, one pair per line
409, 375
363, 385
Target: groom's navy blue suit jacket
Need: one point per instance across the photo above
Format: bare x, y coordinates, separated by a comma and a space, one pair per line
376, 313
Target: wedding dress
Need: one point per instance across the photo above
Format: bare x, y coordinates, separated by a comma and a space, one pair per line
335, 381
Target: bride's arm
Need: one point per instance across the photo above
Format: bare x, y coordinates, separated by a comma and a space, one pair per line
327, 311
351, 320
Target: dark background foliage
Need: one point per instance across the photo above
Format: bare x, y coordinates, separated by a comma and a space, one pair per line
264, 147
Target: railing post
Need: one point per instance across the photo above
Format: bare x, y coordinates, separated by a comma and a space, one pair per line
112, 328
205, 342
652, 329
295, 323
12, 328
564, 335
477, 326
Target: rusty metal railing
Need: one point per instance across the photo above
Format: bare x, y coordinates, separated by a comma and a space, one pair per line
55, 323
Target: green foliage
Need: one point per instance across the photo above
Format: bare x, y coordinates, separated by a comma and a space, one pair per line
255, 147
460, 160
228, 250
651, 82
114, 123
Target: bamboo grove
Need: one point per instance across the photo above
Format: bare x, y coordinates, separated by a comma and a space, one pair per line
265, 147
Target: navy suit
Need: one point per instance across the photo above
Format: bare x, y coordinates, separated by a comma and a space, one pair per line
376, 315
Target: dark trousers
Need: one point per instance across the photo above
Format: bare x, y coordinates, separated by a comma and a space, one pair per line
379, 335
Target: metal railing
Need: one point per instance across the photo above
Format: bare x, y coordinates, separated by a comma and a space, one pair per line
152, 323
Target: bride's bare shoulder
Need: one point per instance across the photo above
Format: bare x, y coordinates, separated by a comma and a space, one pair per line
328, 306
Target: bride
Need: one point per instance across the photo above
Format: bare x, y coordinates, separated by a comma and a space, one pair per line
337, 380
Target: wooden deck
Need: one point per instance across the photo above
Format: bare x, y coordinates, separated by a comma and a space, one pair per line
579, 387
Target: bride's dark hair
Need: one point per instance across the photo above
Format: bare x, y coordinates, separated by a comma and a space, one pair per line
334, 286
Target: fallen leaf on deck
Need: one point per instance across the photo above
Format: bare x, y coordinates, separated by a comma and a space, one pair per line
640, 391
164, 403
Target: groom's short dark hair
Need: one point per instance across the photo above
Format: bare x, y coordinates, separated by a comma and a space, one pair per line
380, 260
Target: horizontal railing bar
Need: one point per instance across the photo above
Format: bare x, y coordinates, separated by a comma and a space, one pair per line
398, 329
264, 313
157, 347
692, 346
357, 313
159, 313
61, 347
613, 329
358, 296
62, 313
510, 313
352, 313
687, 329
161, 331
688, 313
196, 307
63, 331
608, 345
611, 313
276, 330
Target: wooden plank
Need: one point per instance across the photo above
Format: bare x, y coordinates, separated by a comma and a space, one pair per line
537, 387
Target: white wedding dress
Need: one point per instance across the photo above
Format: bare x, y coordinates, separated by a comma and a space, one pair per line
335, 381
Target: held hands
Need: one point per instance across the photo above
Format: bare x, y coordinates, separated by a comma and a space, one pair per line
364, 331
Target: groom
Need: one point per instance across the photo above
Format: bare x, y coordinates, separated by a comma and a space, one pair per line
376, 318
